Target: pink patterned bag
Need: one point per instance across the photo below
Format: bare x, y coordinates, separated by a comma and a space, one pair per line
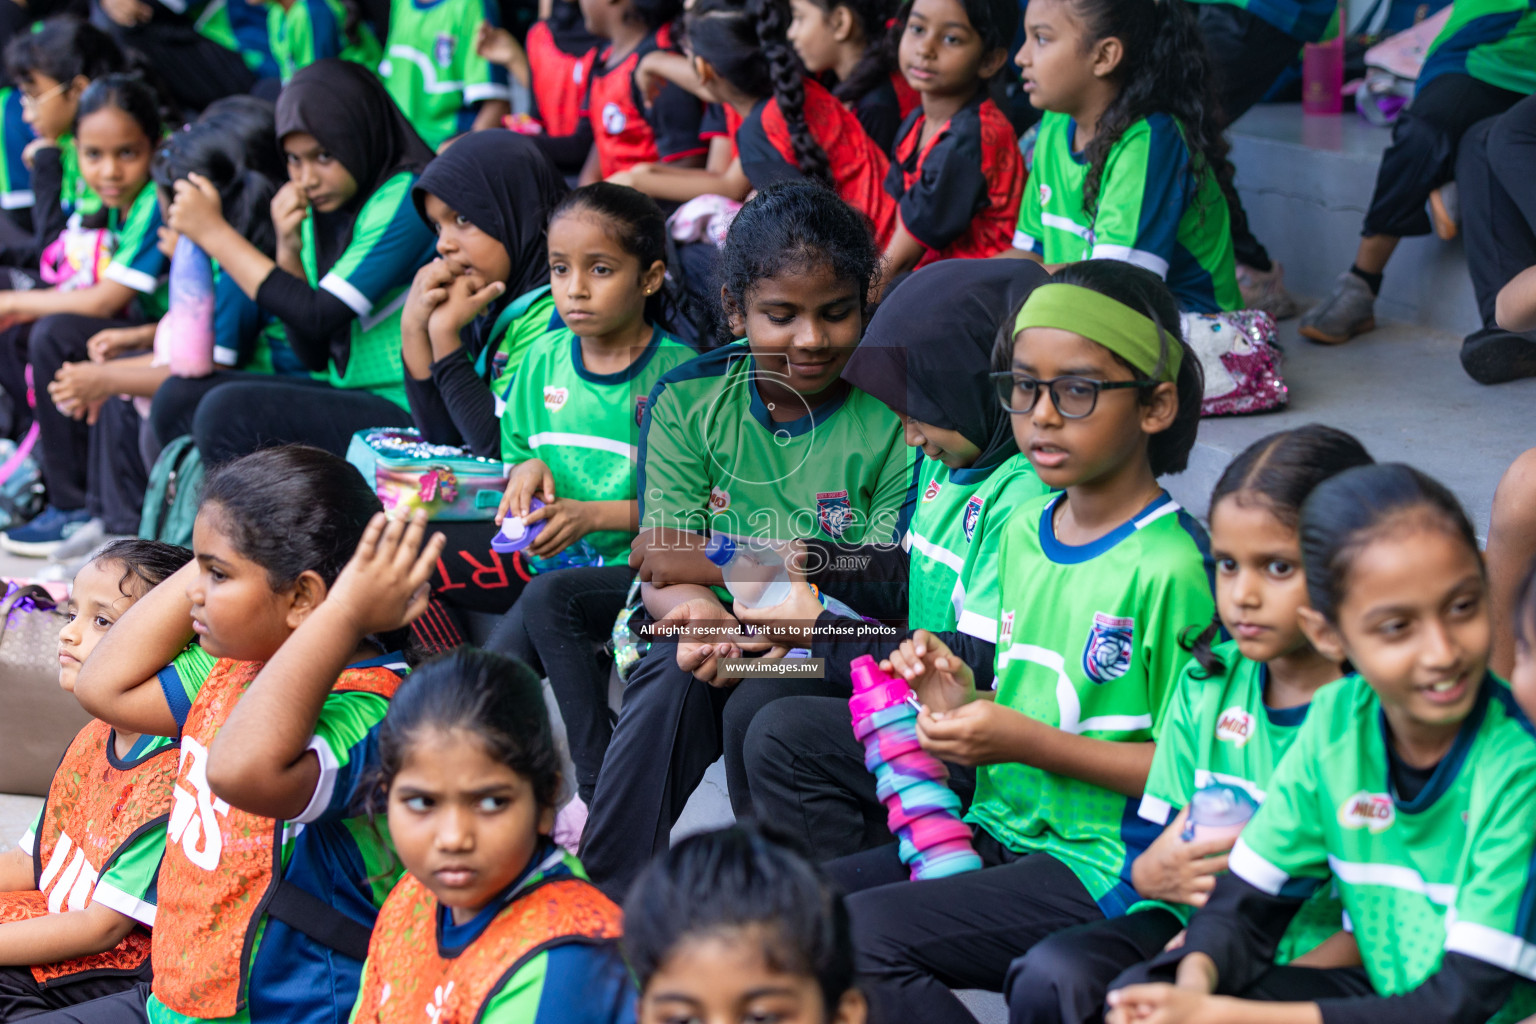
1241, 358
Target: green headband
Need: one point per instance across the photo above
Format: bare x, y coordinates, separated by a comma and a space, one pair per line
1097, 317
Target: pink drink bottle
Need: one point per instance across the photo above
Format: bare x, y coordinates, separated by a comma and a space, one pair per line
922, 811
184, 336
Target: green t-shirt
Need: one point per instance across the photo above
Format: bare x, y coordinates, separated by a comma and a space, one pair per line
312, 30
1448, 871
1154, 210
1494, 41
956, 530
15, 136
137, 262
585, 426
431, 69
712, 458
529, 317
1219, 731
1087, 642
372, 276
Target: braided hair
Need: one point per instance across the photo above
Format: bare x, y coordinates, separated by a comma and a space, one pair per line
749, 48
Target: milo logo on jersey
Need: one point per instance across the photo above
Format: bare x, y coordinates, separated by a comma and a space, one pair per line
719, 499
1372, 811
834, 512
971, 517
932, 491
1235, 726
1107, 655
554, 398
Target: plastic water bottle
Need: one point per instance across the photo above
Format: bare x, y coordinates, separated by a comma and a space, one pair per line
754, 570
921, 810
184, 337
1218, 811
1322, 74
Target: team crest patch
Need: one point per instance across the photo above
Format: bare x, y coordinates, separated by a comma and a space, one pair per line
971, 517
442, 49
932, 491
614, 121
1235, 726
1373, 811
719, 499
1045, 193
1107, 654
834, 512
640, 409
554, 398
1005, 630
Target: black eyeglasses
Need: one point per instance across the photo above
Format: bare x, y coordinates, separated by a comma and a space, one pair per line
1074, 397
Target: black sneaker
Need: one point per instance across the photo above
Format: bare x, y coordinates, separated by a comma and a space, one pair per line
1496, 356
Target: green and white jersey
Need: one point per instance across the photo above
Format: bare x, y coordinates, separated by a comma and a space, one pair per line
237, 25
15, 136
372, 275
137, 262
311, 30
1154, 210
522, 323
712, 458
956, 529
1494, 41
430, 66
1448, 871
585, 426
1218, 731
1088, 642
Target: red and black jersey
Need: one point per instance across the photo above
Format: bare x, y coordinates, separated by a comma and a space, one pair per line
858, 166
878, 110
623, 131
959, 196
720, 121
560, 59
906, 96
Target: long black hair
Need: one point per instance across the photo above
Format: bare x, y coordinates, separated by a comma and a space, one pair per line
217, 152
490, 696
63, 48
1166, 69
1147, 294
794, 225
1276, 473
633, 220
1345, 512
732, 881
878, 61
253, 121
747, 45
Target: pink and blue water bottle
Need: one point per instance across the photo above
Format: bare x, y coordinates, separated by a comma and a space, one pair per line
184, 338
921, 810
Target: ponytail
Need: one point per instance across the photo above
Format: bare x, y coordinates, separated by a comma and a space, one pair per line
788, 78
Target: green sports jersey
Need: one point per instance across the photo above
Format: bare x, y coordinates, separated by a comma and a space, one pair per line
1448, 871
311, 30
1155, 209
137, 262
585, 426
1494, 41
1218, 731
15, 136
956, 529
1087, 642
430, 66
712, 458
238, 25
523, 321
372, 275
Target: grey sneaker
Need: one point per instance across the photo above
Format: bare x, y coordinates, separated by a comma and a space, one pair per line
1265, 290
83, 541
1349, 311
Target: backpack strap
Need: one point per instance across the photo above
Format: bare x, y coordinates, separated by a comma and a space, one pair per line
311, 916
514, 309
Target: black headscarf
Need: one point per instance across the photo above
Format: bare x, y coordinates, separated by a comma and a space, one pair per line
928, 348
505, 185
345, 107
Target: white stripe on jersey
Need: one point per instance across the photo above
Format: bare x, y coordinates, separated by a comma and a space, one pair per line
325, 786
114, 898
1158, 812
942, 555
17, 200
1168, 508
1028, 243
343, 290
1067, 224
429, 82
1393, 876
128, 277
602, 444
1069, 709
1255, 870
1492, 946
1125, 254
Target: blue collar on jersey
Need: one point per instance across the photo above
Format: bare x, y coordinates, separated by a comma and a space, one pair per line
1450, 765
1076, 554
791, 428
625, 375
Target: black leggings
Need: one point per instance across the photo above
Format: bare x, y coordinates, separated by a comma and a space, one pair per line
21, 997
1498, 200
116, 473
1422, 156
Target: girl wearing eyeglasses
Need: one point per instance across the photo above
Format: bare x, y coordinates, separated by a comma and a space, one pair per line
1097, 583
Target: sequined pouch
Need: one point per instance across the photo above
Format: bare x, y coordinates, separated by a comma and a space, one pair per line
407, 473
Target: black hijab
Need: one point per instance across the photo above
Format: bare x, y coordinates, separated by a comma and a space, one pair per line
345, 107
928, 348
504, 185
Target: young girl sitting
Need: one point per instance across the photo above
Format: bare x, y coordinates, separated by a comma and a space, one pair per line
927, 362
1231, 717
78, 897
1097, 582
1129, 160
492, 920
272, 876
117, 129
348, 245
757, 439
1411, 789
844, 44
956, 173
729, 925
